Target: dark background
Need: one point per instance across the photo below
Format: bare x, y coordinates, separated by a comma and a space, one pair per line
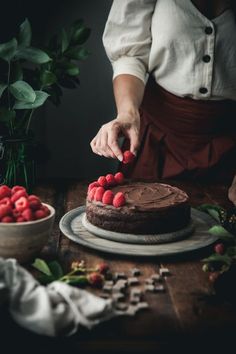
68, 129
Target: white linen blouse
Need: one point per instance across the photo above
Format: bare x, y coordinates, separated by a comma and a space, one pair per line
188, 54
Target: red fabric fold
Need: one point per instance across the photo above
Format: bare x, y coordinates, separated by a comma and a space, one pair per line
184, 138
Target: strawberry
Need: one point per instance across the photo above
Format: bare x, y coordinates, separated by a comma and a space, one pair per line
99, 194
5, 210
119, 200
108, 197
40, 214
102, 181
92, 193
93, 184
16, 189
21, 203
110, 180
6, 201
128, 157
5, 191
95, 279
18, 194
119, 177
7, 219
28, 214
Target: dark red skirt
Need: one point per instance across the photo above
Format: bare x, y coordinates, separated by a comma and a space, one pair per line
184, 138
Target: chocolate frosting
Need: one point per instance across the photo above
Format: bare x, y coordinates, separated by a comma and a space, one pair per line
151, 196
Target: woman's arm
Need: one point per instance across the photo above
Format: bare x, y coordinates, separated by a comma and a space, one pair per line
128, 92
232, 191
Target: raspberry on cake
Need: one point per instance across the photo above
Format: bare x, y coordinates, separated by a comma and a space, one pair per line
149, 208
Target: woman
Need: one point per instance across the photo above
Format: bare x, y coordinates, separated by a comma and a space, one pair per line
180, 120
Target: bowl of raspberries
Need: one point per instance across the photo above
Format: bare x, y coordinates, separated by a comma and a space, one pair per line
25, 223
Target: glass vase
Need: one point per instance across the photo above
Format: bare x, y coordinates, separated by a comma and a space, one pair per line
17, 162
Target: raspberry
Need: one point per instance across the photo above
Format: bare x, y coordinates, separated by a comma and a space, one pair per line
110, 180
108, 197
93, 184
102, 268
5, 191
119, 200
40, 214
6, 201
27, 214
5, 210
92, 193
18, 194
21, 203
99, 194
34, 204
95, 279
102, 181
16, 213
128, 157
16, 189
45, 209
7, 219
20, 219
119, 177
33, 197
219, 248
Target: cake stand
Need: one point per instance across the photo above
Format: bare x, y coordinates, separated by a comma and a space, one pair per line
75, 226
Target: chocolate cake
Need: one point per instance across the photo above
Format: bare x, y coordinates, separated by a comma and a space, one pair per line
150, 208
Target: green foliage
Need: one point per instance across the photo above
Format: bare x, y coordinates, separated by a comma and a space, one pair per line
33, 75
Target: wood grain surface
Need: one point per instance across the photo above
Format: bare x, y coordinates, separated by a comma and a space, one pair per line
185, 318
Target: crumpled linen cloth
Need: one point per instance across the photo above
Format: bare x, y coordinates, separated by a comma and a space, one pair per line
56, 309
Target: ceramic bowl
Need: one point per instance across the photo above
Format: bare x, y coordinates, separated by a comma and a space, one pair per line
24, 240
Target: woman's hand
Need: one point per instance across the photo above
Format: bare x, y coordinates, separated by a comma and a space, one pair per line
105, 143
232, 191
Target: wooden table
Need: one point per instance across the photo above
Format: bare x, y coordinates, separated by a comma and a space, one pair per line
182, 318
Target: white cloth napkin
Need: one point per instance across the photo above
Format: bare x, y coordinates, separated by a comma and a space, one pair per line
56, 309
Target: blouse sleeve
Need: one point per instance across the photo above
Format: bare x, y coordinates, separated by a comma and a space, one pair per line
127, 36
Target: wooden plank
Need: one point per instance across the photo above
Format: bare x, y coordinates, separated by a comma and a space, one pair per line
189, 287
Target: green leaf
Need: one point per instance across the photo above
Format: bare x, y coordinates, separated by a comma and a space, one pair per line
71, 69
6, 115
221, 258
45, 279
81, 35
77, 53
55, 269
41, 97
64, 41
76, 279
22, 91
214, 213
2, 88
33, 55
218, 230
47, 78
25, 34
41, 266
8, 50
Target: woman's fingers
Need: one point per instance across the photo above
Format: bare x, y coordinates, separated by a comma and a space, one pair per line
113, 142
134, 140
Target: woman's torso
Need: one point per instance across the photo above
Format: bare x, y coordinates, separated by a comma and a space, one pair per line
192, 55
